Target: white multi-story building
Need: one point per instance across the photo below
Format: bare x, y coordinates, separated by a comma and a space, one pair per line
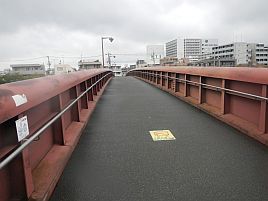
190, 48
230, 54
85, 64
172, 48
257, 54
28, 69
207, 45
140, 63
63, 69
240, 53
116, 70
154, 53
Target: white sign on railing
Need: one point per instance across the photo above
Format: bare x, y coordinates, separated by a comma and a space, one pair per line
19, 99
22, 128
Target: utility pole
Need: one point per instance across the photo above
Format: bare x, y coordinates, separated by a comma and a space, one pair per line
48, 62
109, 59
153, 57
102, 50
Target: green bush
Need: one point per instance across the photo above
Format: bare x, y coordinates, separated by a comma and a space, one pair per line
16, 77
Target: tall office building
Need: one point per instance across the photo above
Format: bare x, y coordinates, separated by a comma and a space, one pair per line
207, 45
190, 48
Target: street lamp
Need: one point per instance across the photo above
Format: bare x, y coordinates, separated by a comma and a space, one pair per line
102, 38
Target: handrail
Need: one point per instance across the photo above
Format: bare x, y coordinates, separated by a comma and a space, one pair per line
28, 141
255, 97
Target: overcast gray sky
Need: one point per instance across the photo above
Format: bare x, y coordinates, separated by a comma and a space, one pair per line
32, 28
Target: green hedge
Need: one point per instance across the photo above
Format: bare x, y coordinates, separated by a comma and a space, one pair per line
16, 77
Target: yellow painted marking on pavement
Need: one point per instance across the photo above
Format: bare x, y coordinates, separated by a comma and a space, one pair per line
160, 135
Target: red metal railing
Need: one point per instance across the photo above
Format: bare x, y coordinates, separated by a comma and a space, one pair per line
237, 96
57, 109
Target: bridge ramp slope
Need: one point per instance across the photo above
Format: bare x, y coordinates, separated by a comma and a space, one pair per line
116, 158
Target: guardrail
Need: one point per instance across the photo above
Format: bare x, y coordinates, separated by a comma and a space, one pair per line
237, 96
53, 112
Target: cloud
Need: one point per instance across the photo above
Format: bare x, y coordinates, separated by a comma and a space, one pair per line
32, 28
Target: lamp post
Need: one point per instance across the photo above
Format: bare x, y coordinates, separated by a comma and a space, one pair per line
102, 38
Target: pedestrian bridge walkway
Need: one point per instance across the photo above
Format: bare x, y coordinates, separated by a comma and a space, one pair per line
116, 158
86, 136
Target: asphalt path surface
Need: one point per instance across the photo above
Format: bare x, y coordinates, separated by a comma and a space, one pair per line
117, 160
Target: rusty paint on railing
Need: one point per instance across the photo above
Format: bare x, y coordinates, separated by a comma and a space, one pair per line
37, 91
33, 174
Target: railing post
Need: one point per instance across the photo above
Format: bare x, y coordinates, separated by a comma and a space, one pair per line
90, 92
263, 112
177, 75
200, 94
77, 107
185, 86
29, 185
102, 81
83, 101
59, 125
162, 78
223, 97
173, 82
27, 170
98, 84
94, 87
169, 81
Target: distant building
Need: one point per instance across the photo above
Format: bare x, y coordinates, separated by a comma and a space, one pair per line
190, 48
183, 62
124, 71
257, 54
237, 54
63, 69
132, 66
5, 71
231, 54
83, 64
141, 63
168, 61
28, 69
207, 45
116, 70
172, 49
154, 53
174, 61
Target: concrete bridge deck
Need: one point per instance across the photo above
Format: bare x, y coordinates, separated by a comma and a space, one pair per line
116, 158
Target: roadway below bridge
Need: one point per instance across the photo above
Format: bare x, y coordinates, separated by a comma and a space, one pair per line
117, 160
